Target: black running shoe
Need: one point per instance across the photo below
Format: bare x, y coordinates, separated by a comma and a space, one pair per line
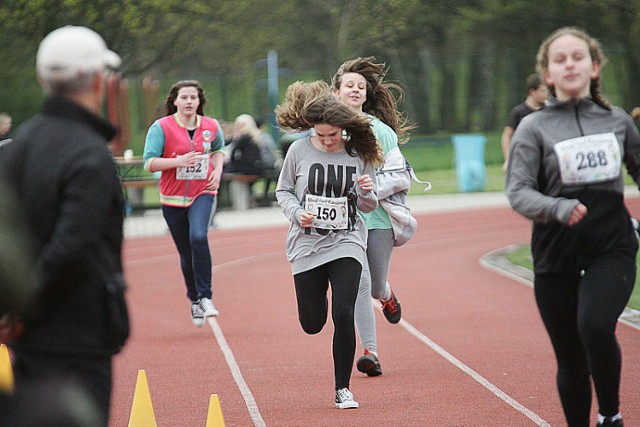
369, 364
391, 309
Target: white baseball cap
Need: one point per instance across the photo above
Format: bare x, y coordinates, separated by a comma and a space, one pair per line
70, 52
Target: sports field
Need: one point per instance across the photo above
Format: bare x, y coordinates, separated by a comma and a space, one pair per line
470, 351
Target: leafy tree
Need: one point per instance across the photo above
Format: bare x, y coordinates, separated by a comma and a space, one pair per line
461, 62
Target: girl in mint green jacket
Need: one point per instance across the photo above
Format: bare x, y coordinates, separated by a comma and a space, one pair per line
359, 83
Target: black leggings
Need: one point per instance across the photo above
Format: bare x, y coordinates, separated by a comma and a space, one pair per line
580, 313
311, 293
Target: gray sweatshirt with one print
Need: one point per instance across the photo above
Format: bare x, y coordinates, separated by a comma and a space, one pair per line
309, 171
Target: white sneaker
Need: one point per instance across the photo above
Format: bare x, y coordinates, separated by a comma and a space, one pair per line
344, 399
208, 310
197, 317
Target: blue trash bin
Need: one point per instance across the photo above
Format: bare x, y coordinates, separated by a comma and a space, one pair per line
470, 167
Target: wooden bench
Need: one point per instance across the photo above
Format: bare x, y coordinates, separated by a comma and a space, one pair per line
134, 191
134, 180
239, 190
236, 189
139, 183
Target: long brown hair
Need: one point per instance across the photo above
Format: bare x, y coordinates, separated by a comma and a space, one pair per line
309, 104
595, 51
381, 101
170, 109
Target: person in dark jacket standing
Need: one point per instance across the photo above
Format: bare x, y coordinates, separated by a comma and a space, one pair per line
537, 93
565, 174
69, 194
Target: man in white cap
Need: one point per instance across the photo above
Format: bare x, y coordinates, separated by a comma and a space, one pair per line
69, 195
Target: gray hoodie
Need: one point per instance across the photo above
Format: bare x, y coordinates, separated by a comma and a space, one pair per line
307, 170
532, 152
540, 185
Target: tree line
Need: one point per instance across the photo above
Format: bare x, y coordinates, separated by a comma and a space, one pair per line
462, 63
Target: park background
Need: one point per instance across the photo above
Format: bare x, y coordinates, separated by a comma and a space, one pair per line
462, 63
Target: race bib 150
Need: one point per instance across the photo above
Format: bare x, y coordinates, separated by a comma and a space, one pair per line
331, 213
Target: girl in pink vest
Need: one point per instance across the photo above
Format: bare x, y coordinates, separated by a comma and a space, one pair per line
187, 148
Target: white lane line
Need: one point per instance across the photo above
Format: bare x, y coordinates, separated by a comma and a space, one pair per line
252, 406
473, 374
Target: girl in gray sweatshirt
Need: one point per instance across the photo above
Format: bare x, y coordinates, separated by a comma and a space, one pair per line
565, 174
325, 179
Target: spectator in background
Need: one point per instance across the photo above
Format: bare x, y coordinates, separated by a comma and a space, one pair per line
537, 93
268, 148
244, 151
272, 162
69, 195
227, 131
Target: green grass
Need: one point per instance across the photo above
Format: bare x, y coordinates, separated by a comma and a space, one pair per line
444, 181
522, 257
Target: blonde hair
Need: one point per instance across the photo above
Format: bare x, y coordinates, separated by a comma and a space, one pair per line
246, 124
595, 51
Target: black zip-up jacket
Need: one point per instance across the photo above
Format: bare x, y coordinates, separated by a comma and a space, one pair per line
70, 197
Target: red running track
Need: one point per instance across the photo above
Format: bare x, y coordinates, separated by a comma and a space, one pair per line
471, 349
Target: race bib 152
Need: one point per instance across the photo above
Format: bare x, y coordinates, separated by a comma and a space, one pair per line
197, 171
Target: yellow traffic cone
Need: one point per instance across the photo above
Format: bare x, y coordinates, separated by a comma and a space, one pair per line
142, 414
214, 417
6, 372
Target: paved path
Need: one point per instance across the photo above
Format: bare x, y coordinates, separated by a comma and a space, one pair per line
151, 222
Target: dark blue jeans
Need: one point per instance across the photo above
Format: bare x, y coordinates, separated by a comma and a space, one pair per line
189, 228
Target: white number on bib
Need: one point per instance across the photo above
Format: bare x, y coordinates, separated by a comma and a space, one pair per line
197, 171
331, 213
589, 159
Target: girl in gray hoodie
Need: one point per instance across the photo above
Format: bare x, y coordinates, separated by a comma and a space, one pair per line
565, 174
325, 179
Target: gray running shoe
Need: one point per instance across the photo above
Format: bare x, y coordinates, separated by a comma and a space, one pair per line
208, 310
344, 399
197, 317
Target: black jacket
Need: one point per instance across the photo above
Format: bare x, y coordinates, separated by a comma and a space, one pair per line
245, 157
70, 196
